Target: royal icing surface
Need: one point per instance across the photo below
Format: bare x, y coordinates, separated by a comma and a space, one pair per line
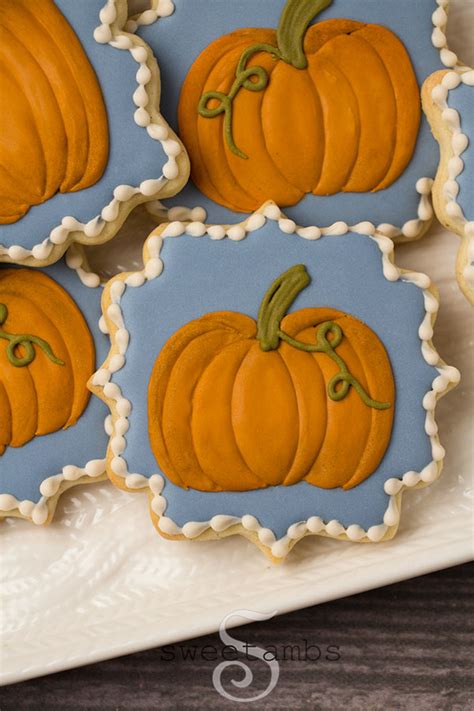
282, 170
132, 156
351, 271
51, 433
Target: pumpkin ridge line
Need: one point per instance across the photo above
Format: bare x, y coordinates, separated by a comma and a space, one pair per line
318, 102
164, 438
84, 150
397, 128
239, 449
373, 414
350, 172
257, 192
19, 40
358, 475
77, 406
24, 185
35, 128
392, 87
16, 439
217, 486
276, 168
225, 158
314, 465
53, 189
298, 409
65, 67
202, 163
6, 400
340, 74
358, 120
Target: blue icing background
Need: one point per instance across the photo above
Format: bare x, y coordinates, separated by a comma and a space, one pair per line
462, 99
202, 275
179, 39
23, 469
134, 156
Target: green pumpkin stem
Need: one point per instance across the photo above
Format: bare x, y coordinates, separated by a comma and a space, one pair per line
296, 17
25, 341
276, 302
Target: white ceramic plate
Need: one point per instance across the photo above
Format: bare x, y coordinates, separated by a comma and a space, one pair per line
99, 582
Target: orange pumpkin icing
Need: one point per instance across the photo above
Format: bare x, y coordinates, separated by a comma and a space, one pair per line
347, 122
49, 393
53, 129
225, 414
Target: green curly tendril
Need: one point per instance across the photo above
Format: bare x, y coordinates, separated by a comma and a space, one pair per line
25, 341
329, 335
294, 22
250, 78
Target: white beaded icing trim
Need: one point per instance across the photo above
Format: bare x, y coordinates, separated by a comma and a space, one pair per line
102, 383
75, 260
38, 512
409, 231
459, 144
439, 38
110, 33
159, 8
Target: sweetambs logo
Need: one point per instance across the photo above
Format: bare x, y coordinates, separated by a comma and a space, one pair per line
249, 651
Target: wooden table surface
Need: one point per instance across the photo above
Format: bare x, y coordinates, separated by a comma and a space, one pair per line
405, 646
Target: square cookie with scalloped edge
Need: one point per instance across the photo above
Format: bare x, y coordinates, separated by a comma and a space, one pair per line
314, 104
83, 140
52, 433
272, 381
448, 101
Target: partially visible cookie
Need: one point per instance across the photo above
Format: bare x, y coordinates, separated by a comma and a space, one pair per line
52, 434
448, 101
82, 138
314, 105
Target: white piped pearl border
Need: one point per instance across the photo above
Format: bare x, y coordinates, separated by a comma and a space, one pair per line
411, 230
158, 9
102, 383
38, 512
439, 38
459, 144
145, 116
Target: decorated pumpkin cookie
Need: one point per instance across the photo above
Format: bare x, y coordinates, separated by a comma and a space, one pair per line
448, 100
82, 138
52, 434
295, 396
314, 104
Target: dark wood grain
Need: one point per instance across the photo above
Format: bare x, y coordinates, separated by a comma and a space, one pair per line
406, 646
